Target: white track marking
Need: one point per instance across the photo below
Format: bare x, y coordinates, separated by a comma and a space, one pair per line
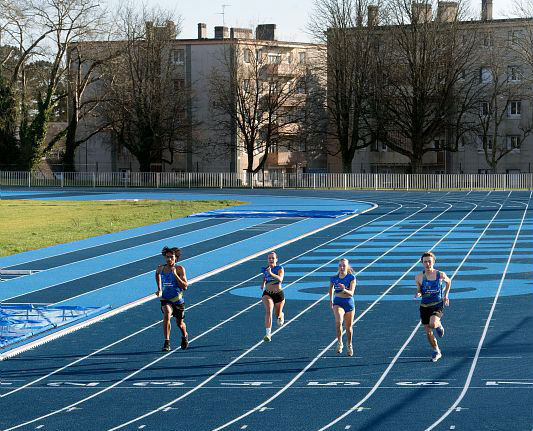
295, 318
326, 349
140, 301
192, 281
210, 330
396, 357
485, 330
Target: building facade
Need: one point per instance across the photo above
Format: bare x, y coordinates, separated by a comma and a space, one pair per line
499, 138
212, 144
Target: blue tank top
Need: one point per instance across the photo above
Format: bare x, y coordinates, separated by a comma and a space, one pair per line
432, 291
171, 290
268, 278
335, 280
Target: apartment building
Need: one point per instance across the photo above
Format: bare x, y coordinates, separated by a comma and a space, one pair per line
213, 143
500, 120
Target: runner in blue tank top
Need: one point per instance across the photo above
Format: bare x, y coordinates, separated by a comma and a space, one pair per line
433, 287
341, 291
273, 297
171, 283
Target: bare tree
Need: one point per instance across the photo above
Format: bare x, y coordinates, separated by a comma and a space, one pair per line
425, 86
148, 97
502, 123
257, 100
348, 28
40, 29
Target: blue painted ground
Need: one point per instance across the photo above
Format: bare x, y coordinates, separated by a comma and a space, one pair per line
112, 375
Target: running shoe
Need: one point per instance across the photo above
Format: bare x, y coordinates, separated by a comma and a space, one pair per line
184, 342
339, 347
440, 331
267, 338
166, 346
436, 356
349, 350
281, 319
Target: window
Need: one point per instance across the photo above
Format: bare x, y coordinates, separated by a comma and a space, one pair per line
301, 87
515, 106
259, 55
485, 141
383, 147
483, 171
484, 109
514, 36
246, 85
274, 58
513, 73
485, 74
488, 40
178, 56
289, 58
303, 58
513, 142
246, 55
439, 143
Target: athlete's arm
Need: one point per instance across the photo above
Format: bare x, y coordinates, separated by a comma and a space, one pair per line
448, 283
351, 290
158, 280
331, 287
278, 277
179, 273
418, 281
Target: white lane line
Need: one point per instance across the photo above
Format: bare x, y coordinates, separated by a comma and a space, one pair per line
24, 262
484, 334
397, 356
120, 252
60, 333
199, 336
192, 281
221, 370
308, 366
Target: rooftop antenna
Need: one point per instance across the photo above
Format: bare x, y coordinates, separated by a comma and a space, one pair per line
224, 6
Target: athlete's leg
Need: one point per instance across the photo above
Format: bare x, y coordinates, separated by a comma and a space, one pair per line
339, 317
167, 314
269, 306
431, 338
278, 308
348, 322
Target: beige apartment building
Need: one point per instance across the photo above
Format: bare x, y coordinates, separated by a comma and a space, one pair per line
194, 62
503, 116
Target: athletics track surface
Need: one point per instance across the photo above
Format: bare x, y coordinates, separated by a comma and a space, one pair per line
112, 375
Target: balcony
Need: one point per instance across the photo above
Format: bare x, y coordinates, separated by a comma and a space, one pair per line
286, 158
280, 69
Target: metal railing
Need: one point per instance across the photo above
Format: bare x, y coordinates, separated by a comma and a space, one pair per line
269, 180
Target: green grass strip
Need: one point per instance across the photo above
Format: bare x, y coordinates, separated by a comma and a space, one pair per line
30, 225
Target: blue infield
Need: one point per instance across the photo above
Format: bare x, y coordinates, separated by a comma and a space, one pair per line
108, 373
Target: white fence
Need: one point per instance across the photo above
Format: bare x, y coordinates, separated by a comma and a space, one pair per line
276, 179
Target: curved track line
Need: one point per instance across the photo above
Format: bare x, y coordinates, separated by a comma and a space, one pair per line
397, 356
192, 340
221, 370
308, 366
485, 329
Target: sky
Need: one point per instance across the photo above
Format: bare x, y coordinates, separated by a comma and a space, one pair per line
290, 16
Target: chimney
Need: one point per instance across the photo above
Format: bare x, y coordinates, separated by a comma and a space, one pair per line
241, 33
221, 32
486, 10
265, 32
373, 15
202, 31
447, 11
421, 13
